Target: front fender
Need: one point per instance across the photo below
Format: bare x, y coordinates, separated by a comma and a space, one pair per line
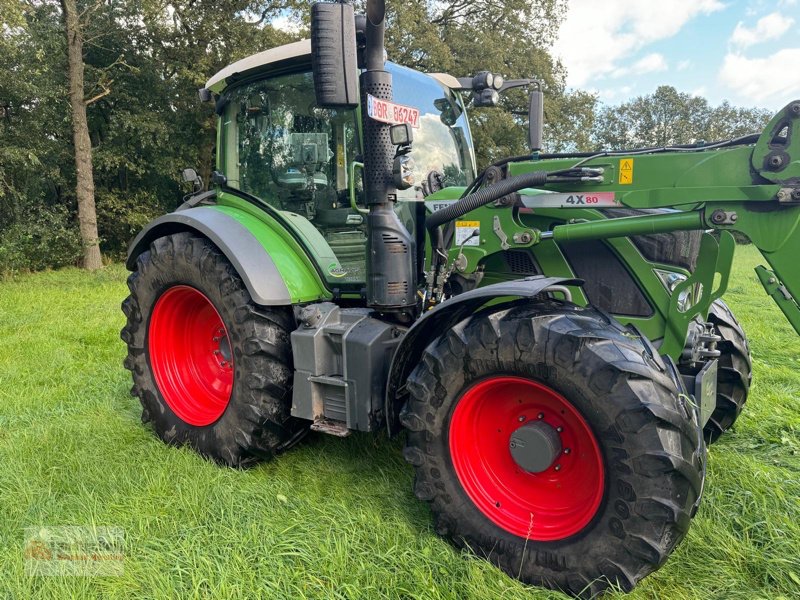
443, 317
274, 271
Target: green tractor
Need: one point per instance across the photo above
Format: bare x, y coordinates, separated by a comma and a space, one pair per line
548, 331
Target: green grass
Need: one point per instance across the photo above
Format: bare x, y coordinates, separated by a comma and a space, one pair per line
332, 518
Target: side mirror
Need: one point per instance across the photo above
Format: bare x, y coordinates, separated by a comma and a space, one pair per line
535, 120
334, 60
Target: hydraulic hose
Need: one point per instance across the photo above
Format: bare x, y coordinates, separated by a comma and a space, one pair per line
484, 196
471, 202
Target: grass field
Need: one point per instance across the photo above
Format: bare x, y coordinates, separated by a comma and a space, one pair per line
332, 518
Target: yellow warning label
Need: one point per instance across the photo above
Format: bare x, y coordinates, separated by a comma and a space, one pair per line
626, 171
468, 233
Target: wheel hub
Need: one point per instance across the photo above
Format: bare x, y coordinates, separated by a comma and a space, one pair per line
190, 354
223, 347
526, 457
535, 446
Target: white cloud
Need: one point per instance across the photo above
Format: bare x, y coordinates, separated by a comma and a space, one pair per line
597, 37
771, 80
684, 64
769, 27
650, 63
611, 94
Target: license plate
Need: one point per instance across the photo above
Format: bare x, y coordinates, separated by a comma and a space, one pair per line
591, 200
705, 390
389, 112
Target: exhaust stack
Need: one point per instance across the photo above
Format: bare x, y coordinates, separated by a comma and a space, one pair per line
391, 251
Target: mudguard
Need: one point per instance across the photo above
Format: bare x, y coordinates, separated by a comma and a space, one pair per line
443, 317
274, 273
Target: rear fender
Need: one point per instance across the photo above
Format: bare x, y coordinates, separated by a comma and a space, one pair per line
443, 317
274, 271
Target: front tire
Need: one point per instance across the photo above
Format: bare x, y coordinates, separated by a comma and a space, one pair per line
735, 371
626, 448
211, 369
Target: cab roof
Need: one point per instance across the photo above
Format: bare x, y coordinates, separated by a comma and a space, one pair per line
257, 62
297, 50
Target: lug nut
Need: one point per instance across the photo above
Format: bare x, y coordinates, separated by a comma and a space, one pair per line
540, 416
558, 467
559, 429
521, 418
567, 450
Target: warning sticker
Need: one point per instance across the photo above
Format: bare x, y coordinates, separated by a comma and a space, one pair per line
626, 171
468, 233
591, 200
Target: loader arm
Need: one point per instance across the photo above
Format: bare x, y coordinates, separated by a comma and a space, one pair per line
750, 185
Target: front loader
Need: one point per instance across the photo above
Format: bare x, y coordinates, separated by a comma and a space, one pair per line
549, 331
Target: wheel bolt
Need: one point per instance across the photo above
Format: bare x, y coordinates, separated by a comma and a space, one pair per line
558, 467
540, 416
567, 450
521, 418
559, 429
215, 338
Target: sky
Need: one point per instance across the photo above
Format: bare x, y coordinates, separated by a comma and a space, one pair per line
744, 51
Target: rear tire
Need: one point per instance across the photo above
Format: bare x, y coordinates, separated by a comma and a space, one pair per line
735, 371
211, 369
636, 460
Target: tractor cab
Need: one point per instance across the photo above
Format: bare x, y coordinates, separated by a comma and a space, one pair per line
276, 144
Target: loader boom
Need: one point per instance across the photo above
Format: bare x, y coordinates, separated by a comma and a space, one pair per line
750, 185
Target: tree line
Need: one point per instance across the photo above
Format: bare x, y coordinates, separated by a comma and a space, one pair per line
99, 109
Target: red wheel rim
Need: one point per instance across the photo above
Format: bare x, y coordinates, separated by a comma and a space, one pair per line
551, 505
190, 355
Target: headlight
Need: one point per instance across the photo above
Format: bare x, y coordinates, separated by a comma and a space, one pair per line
687, 297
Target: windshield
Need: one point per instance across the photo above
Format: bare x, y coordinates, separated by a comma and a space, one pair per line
442, 142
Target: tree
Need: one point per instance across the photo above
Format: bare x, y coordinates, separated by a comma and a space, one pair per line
510, 38
463, 37
87, 213
668, 117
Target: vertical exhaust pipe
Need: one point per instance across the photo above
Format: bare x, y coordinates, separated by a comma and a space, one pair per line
391, 250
